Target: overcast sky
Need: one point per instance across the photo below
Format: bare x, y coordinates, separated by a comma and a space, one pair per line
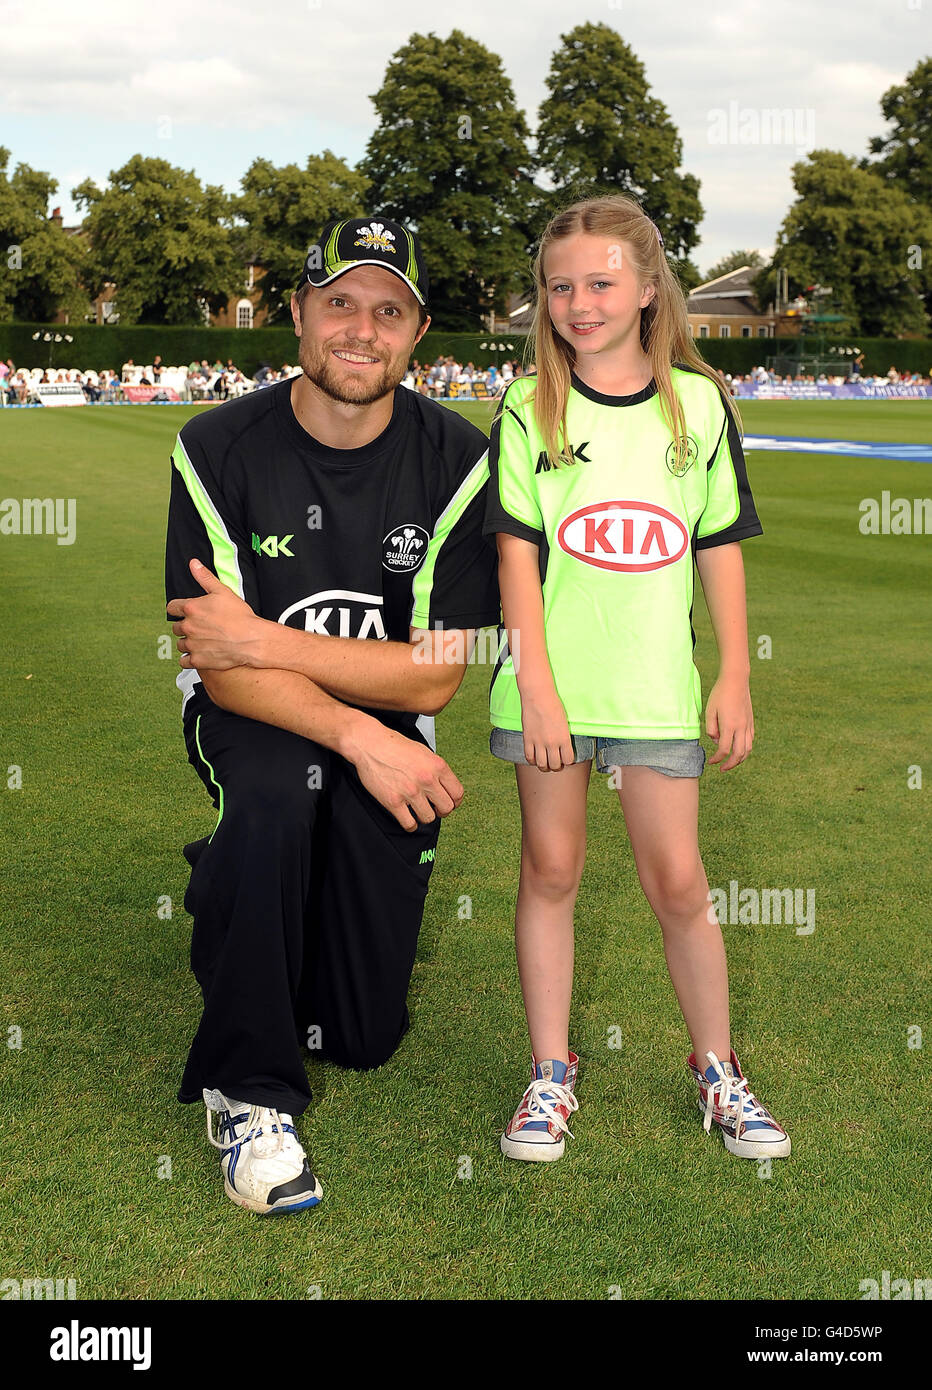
210, 85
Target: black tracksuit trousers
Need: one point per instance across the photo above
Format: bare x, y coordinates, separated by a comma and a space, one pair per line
307, 901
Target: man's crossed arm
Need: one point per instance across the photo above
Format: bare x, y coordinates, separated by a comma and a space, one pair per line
299, 681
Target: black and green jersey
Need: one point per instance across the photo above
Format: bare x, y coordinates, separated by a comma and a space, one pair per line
618, 529
360, 542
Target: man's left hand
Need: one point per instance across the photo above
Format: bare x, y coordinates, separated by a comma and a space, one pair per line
218, 631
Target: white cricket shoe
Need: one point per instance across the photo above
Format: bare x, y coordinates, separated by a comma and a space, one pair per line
264, 1167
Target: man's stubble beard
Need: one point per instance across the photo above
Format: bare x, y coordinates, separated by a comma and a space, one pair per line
316, 364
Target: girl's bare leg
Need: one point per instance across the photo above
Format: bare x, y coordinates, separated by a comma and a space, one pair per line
662, 815
553, 853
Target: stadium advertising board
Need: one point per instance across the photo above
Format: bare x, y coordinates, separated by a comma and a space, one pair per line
824, 391
139, 395
61, 393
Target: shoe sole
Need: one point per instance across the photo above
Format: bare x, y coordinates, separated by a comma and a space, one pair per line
280, 1208
752, 1148
532, 1153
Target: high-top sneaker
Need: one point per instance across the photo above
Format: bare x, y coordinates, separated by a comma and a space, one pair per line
748, 1129
537, 1127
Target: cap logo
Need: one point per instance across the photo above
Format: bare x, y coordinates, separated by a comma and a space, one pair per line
374, 234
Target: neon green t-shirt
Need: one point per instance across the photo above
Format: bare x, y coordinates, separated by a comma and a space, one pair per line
618, 530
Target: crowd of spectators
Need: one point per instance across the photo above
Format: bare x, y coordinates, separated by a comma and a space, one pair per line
446, 378
219, 381
198, 381
763, 376
443, 379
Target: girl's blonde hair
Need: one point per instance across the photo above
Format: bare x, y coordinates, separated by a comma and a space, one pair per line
665, 333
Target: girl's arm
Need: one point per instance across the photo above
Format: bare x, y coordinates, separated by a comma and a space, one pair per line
547, 741
729, 718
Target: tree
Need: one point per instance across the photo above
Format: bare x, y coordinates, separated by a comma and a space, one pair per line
687, 273
734, 261
906, 151
162, 238
40, 265
282, 211
601, 131
449, 157
854, 232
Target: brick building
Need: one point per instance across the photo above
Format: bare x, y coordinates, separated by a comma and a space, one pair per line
727, 308
243, 310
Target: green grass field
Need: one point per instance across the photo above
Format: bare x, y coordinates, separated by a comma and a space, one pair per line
644, 1203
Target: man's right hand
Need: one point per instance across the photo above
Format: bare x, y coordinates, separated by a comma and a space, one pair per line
402, 773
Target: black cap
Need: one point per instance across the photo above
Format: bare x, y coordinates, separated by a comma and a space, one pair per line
364, 240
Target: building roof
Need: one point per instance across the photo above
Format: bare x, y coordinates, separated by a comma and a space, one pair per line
727, 294
722, 306
735, 282
520, 322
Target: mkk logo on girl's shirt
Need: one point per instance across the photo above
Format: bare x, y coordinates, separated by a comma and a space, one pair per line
630, 536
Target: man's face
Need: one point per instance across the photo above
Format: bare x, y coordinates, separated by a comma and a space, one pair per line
356, 335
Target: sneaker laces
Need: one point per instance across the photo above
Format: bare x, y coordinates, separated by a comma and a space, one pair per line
541, 1098
255, 1130
731, 1094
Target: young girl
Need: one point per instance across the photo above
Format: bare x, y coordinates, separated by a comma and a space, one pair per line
613, 471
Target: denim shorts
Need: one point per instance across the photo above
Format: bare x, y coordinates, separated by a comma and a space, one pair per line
674, 757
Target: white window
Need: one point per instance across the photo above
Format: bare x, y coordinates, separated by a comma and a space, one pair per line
724, 330
252, 277
244, 314
745, 330
762, 332
703, 330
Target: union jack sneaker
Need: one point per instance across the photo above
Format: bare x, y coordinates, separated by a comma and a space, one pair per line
536, 1129
748, 1129
264, 1167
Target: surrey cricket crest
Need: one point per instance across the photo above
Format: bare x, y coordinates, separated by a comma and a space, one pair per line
404, 548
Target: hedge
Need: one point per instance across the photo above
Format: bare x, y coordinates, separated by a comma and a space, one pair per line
97, 347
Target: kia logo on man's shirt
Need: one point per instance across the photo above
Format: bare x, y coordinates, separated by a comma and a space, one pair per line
630, 536
338, 613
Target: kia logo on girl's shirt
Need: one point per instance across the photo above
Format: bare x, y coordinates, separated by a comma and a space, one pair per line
631, 536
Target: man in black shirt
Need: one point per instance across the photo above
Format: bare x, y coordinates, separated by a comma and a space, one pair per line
331, 507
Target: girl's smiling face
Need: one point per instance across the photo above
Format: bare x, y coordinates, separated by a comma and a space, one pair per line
593, 293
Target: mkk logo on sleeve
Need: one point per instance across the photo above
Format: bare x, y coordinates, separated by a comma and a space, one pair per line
631, 537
